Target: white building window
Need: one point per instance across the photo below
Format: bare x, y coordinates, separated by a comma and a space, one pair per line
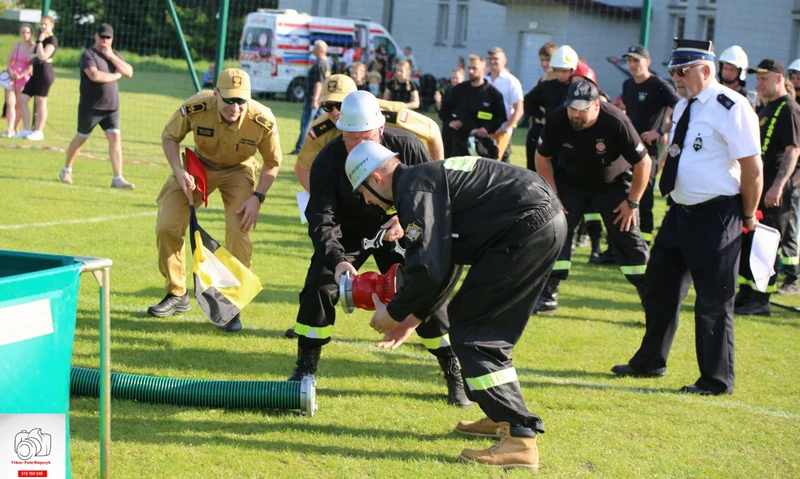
343, 11
314, 7
442, 23
708, 25
679, 26
328, 8
462, 19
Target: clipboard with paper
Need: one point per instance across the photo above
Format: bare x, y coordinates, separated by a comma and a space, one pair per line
763, 252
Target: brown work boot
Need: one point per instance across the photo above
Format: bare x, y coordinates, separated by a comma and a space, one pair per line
483, 428
508, 452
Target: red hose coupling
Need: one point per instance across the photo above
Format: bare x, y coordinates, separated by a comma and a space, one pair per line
356, 292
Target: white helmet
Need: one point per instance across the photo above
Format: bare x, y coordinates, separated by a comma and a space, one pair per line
564, 57
736, 57
794, 67
360, 112
364, 159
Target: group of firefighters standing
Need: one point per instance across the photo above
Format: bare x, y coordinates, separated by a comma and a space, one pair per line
372, 165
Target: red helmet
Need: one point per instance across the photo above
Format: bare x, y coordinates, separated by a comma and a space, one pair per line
586, 72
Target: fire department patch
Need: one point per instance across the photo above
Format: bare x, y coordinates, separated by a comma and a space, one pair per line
674, 150
601, 146
332, 85
237, 81
414, 231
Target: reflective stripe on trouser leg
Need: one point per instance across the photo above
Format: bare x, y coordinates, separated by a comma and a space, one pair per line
487, 381
771, 287
592, 217
313, 332
436, 343
647, 237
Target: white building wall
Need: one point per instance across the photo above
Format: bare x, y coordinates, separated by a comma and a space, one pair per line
764, 29
592, 35
415, 25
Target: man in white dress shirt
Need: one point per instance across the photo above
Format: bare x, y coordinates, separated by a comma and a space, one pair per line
713, 174
511, 89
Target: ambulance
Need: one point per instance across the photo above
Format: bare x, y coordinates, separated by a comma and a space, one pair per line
275, 49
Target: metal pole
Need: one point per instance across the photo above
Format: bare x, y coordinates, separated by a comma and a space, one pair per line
222, 33
184, 47
105, 374
101, 270
45, 7
644, 30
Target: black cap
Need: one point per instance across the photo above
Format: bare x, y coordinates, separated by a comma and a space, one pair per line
768, 65
105, 30
580, 95
687, 52
638, 51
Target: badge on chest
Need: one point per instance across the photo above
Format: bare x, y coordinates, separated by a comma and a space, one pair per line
698, 144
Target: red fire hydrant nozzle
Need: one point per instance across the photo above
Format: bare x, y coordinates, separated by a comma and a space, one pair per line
356, 292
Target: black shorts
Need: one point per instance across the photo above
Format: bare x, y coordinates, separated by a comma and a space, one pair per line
89, 118
41, 79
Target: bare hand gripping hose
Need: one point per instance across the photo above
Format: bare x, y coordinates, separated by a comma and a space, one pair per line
200, 392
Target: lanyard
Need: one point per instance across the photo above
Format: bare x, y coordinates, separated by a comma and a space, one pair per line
771, 128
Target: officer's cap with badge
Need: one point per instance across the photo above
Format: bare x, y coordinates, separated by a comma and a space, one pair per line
337, 87
234, 83
688, 52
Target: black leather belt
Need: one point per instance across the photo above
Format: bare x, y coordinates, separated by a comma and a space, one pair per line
705, 204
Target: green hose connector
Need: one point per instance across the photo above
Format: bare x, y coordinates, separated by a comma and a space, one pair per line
200, 392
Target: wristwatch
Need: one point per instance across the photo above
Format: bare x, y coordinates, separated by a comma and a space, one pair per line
632, 204
261, 197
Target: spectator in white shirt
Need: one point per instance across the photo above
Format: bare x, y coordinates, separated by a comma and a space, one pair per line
510, 88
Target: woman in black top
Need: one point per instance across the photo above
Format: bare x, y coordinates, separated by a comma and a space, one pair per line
401, 88
42, 78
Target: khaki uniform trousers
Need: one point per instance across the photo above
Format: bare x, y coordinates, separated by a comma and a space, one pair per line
236, 186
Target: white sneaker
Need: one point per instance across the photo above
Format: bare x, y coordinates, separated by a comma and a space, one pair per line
122, 184
66, 177
35, 135
23, 134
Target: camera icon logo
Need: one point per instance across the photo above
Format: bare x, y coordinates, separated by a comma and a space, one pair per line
28, 444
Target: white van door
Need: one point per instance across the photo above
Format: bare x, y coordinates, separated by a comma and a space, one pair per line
256, 55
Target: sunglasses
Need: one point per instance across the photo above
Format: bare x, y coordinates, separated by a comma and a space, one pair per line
231, 101
681, 71
328, 106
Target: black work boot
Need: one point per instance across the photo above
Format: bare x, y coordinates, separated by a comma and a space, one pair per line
548, 301
170, 305
307, 360
234, 326
744, 296
456, 395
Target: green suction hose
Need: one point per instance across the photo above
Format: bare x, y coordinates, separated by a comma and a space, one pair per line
200, 392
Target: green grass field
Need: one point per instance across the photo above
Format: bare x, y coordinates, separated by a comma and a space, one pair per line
381, 414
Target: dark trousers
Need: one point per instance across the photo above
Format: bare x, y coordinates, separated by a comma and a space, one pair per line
628, 247
701, 246
305, 121
317, 313
646, 211
784, 219
531, 138
490, 312
789, 234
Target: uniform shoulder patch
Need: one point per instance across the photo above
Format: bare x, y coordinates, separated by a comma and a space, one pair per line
323, 128
414, 231
193, 108
263, 121
391, 116
725, 101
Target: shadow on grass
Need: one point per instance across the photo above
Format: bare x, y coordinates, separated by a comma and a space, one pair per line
165, 430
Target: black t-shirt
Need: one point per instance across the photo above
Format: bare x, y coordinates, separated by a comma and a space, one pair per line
51, 40
98, 96
647, 102
590, 158
785, 132
475, 106
318, 73
400, 91
541, 100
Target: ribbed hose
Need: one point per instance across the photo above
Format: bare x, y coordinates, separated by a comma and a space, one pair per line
200, 392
